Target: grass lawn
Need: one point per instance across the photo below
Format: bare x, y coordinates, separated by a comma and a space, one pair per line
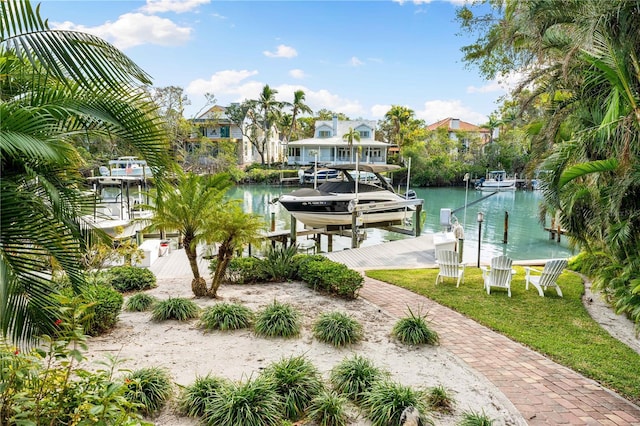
559, 328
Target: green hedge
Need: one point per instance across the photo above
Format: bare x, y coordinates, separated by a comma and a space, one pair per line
131, 278
331, 277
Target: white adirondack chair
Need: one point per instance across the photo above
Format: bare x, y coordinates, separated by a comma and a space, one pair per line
450, 267
548, 276
499, 275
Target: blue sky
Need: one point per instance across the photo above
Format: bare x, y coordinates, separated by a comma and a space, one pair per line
355, 57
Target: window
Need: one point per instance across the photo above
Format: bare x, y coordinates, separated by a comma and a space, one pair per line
376, 152
294, 152
224, 132
324, 134
344, 154
364, 134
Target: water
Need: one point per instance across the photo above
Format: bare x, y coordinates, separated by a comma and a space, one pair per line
526, 236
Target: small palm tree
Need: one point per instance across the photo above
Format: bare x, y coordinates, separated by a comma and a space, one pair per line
192, 209
349, 137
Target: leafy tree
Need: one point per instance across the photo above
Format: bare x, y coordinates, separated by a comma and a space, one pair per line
268, 110
57, 85
590, 123
297, 107
193, 208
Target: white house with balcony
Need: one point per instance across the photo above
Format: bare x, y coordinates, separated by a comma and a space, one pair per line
331, 148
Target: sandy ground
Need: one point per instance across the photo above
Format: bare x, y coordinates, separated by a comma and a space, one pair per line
189, 352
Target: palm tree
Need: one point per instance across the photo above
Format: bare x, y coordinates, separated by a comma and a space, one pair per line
193, 209
268, 108
55, 85
399, 117
349, 137
233, 229
298, 107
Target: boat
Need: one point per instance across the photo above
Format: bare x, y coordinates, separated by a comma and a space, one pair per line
496, 180
332, 204
117, 211
319, 174
126, 166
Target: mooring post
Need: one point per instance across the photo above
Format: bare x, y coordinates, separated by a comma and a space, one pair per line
273, 221
354, 229
294, 232
416, 220
506, 227
329, 243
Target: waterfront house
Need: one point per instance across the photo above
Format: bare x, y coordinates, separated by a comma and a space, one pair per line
462, 131
331, 148
215, 125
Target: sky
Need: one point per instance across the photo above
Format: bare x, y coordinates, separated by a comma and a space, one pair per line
354, 57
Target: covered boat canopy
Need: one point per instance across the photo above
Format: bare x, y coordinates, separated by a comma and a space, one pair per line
371, 168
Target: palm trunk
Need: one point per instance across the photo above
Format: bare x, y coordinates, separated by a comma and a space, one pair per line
225, 254
198, 284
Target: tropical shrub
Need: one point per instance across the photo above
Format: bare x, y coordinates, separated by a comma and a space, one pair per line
386, 400
299, 263
331, 277
328, 409
414, 330
354, 376
140, 302
337, 329
242, 270
254, 402
297, 381
47, 386
278, 320
226, 316
195, 397
176, 308
130, 278
103, 314
278, 264
150, 387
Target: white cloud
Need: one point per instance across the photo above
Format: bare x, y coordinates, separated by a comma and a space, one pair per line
378, 111
440, 109
355, 62
177, 6
228, 82
134, 29
297, 74
505, 83
282, 52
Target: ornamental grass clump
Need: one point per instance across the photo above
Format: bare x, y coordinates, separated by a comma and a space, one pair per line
328, 409
354, 376
278, 320
297, 381
140, 302
414, 330
252, 403
150, 387
337, 329
473, 418
176, 308
226, 316
278, 263
440, 399
195, 397
386, 400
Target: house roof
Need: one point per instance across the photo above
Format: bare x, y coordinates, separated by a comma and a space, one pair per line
337, 141
457, 124
216, 112
344, 125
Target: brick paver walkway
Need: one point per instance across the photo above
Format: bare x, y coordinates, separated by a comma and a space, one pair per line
544, 392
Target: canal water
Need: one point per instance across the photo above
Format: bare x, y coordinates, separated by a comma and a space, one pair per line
526, 237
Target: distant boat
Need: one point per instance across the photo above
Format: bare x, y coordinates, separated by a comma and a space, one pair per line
321, 174
126, 166
333, 202
117, 210
496, 180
